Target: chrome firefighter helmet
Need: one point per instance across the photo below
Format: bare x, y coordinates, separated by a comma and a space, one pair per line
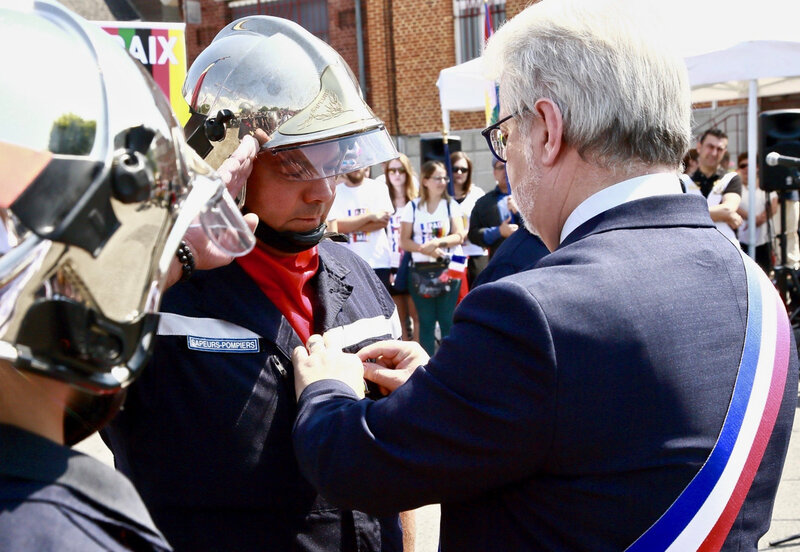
269, 76
98, 189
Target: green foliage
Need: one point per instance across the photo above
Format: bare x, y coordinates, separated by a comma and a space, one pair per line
72, 135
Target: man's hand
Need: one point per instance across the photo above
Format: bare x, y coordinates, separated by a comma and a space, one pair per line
234, 172
735, 221
723, 213
365, 222
507, 228
375, 221
320, 360
391, 363
382, 218
726, 210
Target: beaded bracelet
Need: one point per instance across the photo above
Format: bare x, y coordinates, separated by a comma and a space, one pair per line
186, 259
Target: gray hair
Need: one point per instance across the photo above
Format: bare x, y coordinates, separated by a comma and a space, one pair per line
623, 95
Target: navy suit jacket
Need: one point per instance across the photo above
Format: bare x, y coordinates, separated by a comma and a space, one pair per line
519, 251
571, 403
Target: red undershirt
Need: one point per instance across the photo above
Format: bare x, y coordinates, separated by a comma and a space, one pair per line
284, 280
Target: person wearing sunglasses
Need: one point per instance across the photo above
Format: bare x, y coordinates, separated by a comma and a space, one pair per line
466, 195
402, 183
765, 205
101, 199
635, 389
431, 229
206, 439
495, 216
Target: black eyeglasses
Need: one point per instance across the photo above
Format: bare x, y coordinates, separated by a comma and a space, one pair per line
460, 170
742, 165
497, 138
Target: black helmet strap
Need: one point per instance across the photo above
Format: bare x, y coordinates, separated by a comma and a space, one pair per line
289, 242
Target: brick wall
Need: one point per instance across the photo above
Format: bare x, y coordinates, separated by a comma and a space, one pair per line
214, 15
410, 41
375, 19
342, 30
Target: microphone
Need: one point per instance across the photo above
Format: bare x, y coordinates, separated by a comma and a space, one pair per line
774, 159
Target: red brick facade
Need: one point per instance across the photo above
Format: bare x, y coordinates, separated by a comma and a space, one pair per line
410, 41
342, 30
214, 16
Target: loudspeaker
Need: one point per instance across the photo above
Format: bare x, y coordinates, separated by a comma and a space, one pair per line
432, 149
778, 131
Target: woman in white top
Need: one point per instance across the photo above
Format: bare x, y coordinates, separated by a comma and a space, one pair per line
400, 180
764, 206
466, 195
431, 228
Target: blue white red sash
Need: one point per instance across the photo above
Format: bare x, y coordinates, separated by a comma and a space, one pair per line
701, 517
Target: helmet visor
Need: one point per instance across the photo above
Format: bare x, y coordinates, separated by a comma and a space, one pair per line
208, 203
332, 157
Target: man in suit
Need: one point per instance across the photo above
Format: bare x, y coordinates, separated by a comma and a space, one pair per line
589, 403
494, 217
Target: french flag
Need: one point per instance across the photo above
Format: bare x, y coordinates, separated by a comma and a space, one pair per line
457, 266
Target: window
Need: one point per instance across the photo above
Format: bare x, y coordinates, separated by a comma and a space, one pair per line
470, 22
311, 14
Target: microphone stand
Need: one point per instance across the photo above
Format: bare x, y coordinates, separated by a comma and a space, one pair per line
785, 276
786, 280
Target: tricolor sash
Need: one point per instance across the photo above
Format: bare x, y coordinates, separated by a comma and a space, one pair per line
701, 517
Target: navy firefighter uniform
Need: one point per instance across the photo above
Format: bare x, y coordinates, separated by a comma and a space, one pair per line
205, 434
56, 499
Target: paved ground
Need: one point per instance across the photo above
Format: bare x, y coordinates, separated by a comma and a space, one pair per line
785, 517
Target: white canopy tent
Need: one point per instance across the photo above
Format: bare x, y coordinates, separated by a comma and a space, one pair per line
462, 88
732, 51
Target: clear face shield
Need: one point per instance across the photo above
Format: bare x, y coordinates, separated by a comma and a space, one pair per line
330, 158
208, 204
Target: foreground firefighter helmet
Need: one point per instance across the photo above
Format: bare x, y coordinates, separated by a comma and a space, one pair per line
98, 189
268, 75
